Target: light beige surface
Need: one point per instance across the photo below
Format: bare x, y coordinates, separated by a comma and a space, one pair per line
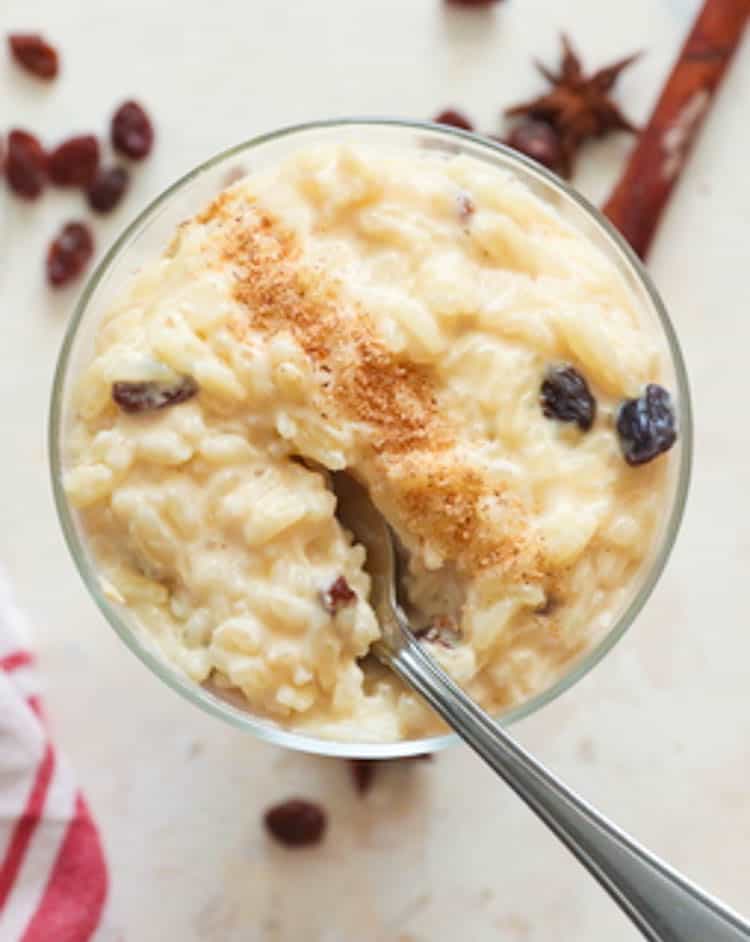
657, 736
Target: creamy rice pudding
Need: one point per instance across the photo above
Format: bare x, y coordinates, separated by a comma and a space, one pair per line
429, 324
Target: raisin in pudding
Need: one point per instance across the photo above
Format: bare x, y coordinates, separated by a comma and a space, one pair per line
430, 325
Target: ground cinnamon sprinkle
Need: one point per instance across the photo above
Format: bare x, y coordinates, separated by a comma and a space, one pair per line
395, 399
452, 497
411, 458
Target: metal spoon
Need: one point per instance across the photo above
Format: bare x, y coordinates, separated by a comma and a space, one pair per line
663, 905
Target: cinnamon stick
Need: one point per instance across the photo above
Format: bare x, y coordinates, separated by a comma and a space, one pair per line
637, 201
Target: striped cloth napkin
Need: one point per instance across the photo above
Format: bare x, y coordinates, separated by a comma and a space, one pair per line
53, 875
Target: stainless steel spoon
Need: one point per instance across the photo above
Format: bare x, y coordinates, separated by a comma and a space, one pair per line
663, 905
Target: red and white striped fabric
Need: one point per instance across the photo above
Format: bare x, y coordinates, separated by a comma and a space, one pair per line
53, 875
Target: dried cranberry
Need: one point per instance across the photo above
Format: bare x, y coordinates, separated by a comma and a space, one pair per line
647, 425
538, 140
566, 396
337, 595
149, 396
132, 131
25, 164
33, 53
75, 161
296, 823
363, 774
454, 119
108, 189
69, 253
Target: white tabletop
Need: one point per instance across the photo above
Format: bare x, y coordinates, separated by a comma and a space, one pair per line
658, 735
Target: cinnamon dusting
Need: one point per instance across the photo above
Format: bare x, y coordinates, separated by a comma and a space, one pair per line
412, 462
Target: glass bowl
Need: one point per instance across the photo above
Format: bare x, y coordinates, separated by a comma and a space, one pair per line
146, 237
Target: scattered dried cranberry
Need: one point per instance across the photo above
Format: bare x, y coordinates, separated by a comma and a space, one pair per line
296, 823
363, 774
338, 594
454, 119
33, 53
132, 131
69, 253
647, 425
566, 396
75, 161
540, 141
25, 164
108, 189
149, 396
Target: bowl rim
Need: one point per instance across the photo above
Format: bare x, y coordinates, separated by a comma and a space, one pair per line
263, 728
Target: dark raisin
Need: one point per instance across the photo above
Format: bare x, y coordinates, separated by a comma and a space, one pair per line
25, 164
132, 131
108, 189
454, 119
149, 396
338, 594
33, 53
69, 253
566, 396
363, 774
548, 606
75, 161
296, 823
647, 425
538, 140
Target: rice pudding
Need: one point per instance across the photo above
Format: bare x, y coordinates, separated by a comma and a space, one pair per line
429, 324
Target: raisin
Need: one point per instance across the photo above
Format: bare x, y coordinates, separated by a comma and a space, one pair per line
566, 396
363, 774
69, 253
647, 425
132, 131
548, 606
75, 161
453, 119
108, 189
25, 164
33, 53
296, 823
538, 140
338, 594
148, 396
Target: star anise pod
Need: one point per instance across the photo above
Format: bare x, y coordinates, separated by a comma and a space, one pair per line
577, 107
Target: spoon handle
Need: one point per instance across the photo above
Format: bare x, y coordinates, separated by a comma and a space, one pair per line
661, 903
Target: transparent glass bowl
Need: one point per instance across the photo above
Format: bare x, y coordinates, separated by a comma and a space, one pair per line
146, 237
